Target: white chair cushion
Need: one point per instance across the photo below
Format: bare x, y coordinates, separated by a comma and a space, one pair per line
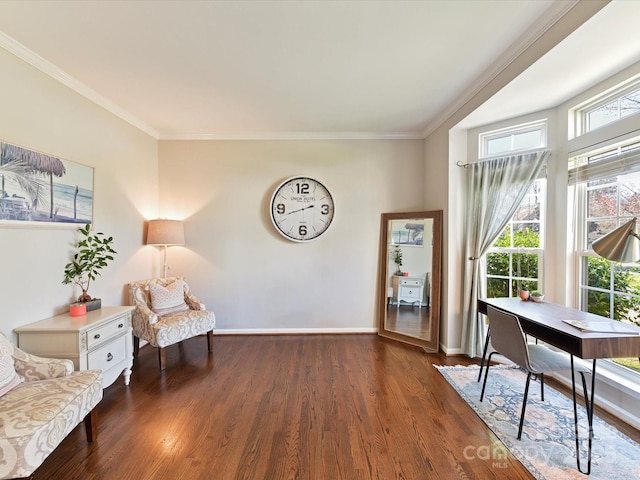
169, 299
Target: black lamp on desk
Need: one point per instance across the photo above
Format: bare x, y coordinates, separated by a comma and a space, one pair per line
620, 245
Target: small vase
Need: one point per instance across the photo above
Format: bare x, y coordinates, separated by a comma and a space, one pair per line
524, 295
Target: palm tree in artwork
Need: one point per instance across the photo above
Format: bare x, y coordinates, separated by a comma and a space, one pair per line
20, 173
34, 162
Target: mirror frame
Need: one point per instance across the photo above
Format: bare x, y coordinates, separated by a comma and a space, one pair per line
432, 344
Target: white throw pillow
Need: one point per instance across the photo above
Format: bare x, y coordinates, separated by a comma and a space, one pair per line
8, 376
169, 299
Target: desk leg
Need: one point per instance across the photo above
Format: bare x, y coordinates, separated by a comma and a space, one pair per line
588, 403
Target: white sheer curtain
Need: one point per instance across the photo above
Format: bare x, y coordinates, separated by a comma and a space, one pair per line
495, 189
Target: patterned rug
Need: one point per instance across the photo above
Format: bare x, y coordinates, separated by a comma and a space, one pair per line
547, 447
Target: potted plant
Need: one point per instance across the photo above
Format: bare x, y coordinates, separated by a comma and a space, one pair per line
397, 259
537, 296
94, 252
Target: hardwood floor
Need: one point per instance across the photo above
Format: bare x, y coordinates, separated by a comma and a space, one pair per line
409, 320
320, 407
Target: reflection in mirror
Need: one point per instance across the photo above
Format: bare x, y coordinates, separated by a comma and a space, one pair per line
409, 277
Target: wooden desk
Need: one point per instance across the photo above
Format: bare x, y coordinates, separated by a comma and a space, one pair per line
545, 322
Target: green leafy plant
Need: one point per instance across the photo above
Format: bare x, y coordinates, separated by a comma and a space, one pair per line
522, 266
94, 253
397, 258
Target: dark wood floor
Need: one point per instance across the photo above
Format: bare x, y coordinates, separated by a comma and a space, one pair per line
409, 320
319, 407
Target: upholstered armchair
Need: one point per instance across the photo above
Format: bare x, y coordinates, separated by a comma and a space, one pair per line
41, 401
167, 313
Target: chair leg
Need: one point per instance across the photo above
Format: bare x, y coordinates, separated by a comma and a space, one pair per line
484, 351
162, 357
91, 425
542, 386
210, 340
524, 405
136, 346
486, 374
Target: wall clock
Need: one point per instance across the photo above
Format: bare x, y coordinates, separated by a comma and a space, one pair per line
301, 209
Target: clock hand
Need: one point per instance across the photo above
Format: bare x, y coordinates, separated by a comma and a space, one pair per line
299, 210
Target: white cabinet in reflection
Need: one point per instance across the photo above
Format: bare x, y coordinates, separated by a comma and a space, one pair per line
409, 290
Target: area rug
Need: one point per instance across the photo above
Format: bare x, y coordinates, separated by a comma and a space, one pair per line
547, 447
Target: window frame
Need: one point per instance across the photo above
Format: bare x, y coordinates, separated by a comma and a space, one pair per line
512, 277
582, 246
581, 113
512, 131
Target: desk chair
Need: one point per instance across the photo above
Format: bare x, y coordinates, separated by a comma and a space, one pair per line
508, 339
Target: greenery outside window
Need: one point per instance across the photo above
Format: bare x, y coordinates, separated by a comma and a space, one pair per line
515, 259
608, 288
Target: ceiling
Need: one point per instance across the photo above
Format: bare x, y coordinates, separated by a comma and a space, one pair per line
306, 69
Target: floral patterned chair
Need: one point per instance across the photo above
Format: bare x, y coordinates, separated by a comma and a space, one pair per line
166, 313
41, 401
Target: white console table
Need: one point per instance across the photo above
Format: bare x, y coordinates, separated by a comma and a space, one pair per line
408, 289
99, 340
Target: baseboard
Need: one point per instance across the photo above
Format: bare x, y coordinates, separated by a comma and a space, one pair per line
615, 404
451, 351
293, 331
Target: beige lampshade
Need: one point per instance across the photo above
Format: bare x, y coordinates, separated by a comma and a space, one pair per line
620, 245
165, 232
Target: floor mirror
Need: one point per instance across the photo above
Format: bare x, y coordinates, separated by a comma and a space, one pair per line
409, 281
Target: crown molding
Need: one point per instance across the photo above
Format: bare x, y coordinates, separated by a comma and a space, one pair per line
296, 136
35, 60
554, 14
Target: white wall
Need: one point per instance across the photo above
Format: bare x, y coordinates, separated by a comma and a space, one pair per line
41, 114
254, 279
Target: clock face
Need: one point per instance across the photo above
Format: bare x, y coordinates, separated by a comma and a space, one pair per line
301, 209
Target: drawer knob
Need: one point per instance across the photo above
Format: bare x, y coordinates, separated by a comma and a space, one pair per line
96, 336
120, 325
109, 357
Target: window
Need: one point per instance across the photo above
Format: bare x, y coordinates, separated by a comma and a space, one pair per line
608, 197
621, 104
515, 259
520, 138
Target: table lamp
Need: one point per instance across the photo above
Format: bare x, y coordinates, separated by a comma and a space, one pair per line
620, 245
162, 232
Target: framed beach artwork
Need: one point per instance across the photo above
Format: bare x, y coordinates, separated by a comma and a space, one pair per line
408, 233
37, 189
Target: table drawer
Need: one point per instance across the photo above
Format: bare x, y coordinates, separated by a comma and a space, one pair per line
412, 282
98, 335
108, 355
410, 293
